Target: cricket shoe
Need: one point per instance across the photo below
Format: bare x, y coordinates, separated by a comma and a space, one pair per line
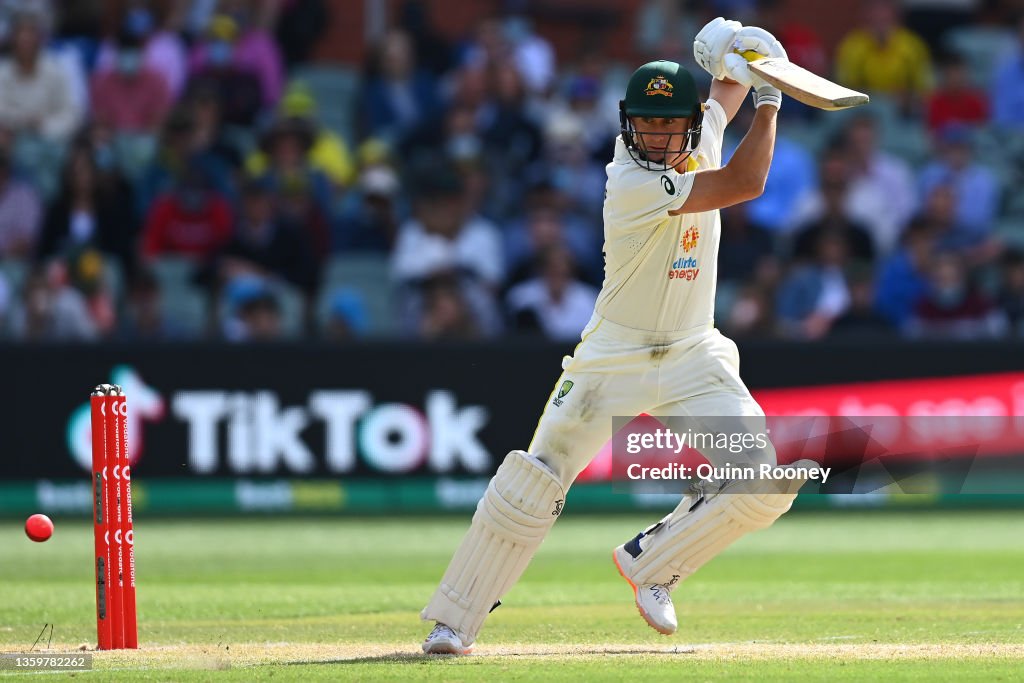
444, 641
653, 600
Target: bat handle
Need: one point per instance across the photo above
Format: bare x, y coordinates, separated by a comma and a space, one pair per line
750, 55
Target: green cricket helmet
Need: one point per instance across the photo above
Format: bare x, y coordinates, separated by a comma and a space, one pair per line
661, 89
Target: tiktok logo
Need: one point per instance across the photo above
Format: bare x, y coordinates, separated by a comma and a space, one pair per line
144, 403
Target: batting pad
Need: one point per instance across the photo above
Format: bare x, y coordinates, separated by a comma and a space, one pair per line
521, 503
689, 537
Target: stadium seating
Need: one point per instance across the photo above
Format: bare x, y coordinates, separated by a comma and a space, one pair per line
185, 304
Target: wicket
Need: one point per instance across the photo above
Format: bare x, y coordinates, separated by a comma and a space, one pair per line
113, 531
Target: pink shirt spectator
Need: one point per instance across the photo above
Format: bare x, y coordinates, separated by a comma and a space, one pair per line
20, 218
254, 51
133, 104
163, 53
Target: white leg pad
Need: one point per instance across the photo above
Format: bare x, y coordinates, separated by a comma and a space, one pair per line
687, 539
520, 505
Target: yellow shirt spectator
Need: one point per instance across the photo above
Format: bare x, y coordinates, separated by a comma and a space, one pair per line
898, 65
328, 154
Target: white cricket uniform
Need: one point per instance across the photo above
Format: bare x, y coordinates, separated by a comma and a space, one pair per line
651, 346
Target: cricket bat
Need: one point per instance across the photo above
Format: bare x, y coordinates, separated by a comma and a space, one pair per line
803, 85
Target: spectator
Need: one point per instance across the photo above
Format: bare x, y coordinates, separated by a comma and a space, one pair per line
861, 320
547, 218
975, 187
956, 101
457, 138
5, 306
952, 307
131, 97
1008, 85
1011, 290
512, 41
440, 234
10, 10
91, 210
583, 100
86, 269
816, 294
573, 170
162, 49
216, 67
34, 89
791, 181
51, 310
940, 213
347, 318
145, 317
255, 312
752, 313
881, 195
300, 27
509, 131
237, 42
329, 153
902, 280
660, 27
532, 55
210, 134
20, 213
180, 147
398, 96
833, 215
264, 246
554, 303
304, 193
450, 307
803, 43
933, 19
743, 245
192, 220
885, 57
370, 219
432, 51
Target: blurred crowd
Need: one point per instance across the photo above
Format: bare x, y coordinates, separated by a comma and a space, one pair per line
190, 173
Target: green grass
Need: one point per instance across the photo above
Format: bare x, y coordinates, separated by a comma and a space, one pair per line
837, 596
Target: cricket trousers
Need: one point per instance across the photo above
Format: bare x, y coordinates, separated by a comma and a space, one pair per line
614, 371
621, 371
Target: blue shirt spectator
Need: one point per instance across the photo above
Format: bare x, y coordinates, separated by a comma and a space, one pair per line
903, 279
792, 177
976, 187
1008, 86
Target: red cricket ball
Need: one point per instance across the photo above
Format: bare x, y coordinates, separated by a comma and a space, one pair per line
39, 528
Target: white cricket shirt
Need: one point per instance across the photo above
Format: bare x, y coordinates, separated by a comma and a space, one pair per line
660, 270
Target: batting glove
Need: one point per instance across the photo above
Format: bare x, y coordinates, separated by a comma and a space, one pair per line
736, 68
713, 43
756, 39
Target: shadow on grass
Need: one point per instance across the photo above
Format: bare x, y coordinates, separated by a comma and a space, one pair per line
420, 658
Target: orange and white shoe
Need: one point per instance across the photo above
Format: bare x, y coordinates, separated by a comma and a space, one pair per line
445, 641
653, 600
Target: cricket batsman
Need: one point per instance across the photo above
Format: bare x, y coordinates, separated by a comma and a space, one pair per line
650, 347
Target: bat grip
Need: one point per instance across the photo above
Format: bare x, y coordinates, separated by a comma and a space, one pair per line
750, 55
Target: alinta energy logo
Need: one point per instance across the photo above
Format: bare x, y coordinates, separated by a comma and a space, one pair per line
686, 267
688, 242
144, 403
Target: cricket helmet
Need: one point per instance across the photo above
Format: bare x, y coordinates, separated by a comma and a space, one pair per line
661, 89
